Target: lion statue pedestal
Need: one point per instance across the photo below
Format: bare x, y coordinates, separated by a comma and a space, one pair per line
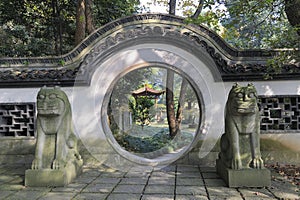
240, 163
57, 161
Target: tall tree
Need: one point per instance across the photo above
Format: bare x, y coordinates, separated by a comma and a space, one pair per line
171, 117
84, 20
80, 22
292, 10
90, 26
57, 27
35, 28
251, 24
174, 118
40, 28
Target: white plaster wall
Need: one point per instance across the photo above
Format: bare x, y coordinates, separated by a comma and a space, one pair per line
263, 87
87, 101
18, 95
92, 127
269, 88
15, 95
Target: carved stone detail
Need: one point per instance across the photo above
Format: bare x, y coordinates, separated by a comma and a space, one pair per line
240, 144
64, 70
57, 160
17, 119
280, 114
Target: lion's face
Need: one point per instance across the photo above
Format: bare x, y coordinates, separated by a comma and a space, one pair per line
52, 108
243, 100
49, 103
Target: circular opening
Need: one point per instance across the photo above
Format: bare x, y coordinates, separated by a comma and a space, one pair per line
152, 112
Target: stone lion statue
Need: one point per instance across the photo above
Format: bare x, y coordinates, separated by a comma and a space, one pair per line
56, 142
240, 144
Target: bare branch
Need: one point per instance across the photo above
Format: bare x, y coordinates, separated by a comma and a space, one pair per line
199, 9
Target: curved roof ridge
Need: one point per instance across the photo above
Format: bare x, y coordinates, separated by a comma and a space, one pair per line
70, 56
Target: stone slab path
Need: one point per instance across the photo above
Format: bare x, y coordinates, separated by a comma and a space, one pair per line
174, 182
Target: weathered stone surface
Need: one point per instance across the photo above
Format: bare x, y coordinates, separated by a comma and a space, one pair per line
191, 190
121, 196
160, 189
57, 161
11, 187
246, 177
129, 189
158, 197
240, 144
240, 163
50, 177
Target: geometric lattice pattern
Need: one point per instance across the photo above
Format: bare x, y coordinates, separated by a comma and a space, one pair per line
280, 114
17, 119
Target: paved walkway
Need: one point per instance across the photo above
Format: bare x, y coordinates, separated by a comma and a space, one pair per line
176, 182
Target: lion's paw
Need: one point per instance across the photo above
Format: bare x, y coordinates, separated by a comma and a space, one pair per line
78, 156
36, 164
236, 163
257, 163
58, 164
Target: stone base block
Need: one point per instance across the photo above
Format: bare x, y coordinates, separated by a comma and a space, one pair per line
244, 177
51, 177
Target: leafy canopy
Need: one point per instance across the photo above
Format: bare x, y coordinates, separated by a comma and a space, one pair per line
41, 28
249, 24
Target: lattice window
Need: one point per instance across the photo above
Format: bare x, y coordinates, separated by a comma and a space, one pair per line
280, 113
17, 119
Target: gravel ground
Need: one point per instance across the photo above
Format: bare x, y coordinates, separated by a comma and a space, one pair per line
290, 173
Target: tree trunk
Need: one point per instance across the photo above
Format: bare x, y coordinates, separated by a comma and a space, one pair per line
59, 28
172, 7
181, 101
55, 26
170, 104
292, 10
174, 121
89, 16
80, 22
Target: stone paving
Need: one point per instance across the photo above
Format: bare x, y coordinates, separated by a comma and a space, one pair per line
174, 182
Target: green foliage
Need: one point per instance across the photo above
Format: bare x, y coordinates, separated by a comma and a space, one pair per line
258, 24
128, 83
107, 10
36, 28
159, 141
141, 110
212, 12
41, 28
17, 41
248, 24
275, 64
253, 25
